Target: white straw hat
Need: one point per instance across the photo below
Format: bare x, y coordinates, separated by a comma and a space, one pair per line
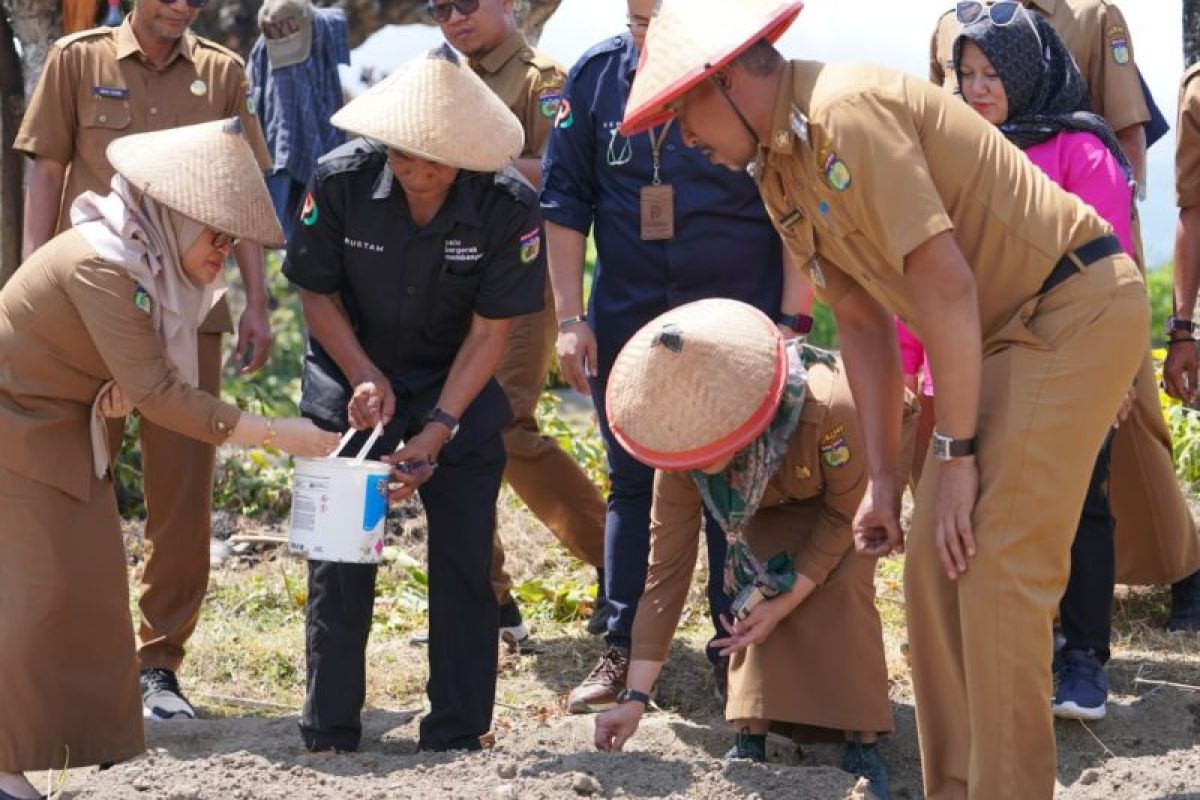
696, 384
206, 172
437, 109
688, 41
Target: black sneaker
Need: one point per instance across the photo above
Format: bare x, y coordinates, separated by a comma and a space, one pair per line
863, 760
1185, 605
161, 696
749, 747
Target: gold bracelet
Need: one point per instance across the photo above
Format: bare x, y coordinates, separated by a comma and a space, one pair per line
269, 439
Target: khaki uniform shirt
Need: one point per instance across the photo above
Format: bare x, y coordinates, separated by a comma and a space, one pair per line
1096, 34
529, 83
69, 323
98, 85
825, 466
1187, 147
865, 164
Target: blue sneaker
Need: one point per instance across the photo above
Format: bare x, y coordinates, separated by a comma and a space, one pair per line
864, 761
1082, 687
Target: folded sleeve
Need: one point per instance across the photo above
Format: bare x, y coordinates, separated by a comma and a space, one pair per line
314, 251
568, 180
514, 280
47, 129
1187, 146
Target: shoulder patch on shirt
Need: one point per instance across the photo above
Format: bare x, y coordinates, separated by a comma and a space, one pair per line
531, 245
549, 101
565, 118
836, 173
141, 299
834, 450
1118, 44
309, 213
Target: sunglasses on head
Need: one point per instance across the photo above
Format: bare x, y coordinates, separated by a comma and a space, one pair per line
190, 3
223, 240
443, 11
1000, 14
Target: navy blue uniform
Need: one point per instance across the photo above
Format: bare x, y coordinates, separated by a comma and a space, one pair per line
410, 294
724, 246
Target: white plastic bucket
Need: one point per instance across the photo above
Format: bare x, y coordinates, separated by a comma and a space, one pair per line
338, 508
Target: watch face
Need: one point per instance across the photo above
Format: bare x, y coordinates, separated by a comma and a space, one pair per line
941, 448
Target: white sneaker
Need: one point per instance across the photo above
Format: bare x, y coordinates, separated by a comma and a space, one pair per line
161, 696
518, 640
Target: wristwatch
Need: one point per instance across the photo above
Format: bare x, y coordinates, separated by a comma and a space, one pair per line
443, 418
632, 694
1180, 325
800, 323
947, 448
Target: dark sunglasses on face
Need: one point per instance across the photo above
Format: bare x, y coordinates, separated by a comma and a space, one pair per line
190, 3
443, 11
1000, 14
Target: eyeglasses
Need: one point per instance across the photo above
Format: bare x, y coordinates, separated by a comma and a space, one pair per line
223, 240
190, 3
443, 11
1000, 14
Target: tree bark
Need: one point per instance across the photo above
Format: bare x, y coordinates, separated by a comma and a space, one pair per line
1191, 32
12, 106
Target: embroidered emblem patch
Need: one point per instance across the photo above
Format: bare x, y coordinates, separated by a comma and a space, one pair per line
565, 118
531, 246
548, 103
308, 214
837, 174
141, 299
114, 92
834, 450
1120, 50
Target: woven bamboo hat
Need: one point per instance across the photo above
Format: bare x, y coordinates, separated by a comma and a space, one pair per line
688, 41
206, 172
437, 109
696, 384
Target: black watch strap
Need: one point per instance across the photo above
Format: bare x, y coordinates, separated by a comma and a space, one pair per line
632, 694
1180, 325
443, 418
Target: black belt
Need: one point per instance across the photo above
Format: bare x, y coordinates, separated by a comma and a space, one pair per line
1089, 254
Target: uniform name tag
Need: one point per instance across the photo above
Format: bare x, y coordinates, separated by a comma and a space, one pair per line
658, 212
111, 91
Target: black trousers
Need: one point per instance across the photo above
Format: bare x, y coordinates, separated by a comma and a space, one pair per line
1085, 611
460, 508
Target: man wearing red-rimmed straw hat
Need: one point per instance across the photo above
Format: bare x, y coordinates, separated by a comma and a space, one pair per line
903, 201
763, 434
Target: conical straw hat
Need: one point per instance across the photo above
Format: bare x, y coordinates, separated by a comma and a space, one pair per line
436, 108
696, 384
206, 172
688, 41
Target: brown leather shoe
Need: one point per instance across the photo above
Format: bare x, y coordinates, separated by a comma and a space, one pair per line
599, 690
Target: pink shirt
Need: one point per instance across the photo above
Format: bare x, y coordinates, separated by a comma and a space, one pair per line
1081, 164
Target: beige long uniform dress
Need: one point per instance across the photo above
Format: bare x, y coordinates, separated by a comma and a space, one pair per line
822, 670
1156, 539
68, 675
97, 86
864, 165
550, 482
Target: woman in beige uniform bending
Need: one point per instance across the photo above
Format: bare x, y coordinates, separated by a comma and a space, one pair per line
764, 433
101, 319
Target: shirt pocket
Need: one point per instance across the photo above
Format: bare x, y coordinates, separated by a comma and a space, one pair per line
104, 119
453, 301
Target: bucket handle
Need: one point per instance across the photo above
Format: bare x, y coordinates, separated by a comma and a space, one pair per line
366, 448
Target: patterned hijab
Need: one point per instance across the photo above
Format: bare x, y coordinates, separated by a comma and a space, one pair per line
1047, 94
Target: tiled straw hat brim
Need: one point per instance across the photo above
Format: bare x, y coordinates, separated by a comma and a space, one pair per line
696, 384
207, 172
437, 109
688, 41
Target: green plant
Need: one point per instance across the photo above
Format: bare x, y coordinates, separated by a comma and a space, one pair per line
1184, 424
585, 446
1161, 290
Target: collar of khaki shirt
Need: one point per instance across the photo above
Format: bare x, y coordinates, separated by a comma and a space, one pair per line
494, 61
789, 121
128, 45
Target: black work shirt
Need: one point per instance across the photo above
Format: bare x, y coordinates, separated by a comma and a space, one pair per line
411, 292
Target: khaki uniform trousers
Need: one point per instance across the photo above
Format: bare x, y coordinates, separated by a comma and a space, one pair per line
177, 479
548, 480
981, 646
69, 691
822, 670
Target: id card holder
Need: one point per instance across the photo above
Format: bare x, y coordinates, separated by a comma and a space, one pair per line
658, 212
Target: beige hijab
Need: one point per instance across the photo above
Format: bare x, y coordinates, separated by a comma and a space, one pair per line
146, 239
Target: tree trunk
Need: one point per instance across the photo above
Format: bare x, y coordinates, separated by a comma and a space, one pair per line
1191, 32
12, 106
